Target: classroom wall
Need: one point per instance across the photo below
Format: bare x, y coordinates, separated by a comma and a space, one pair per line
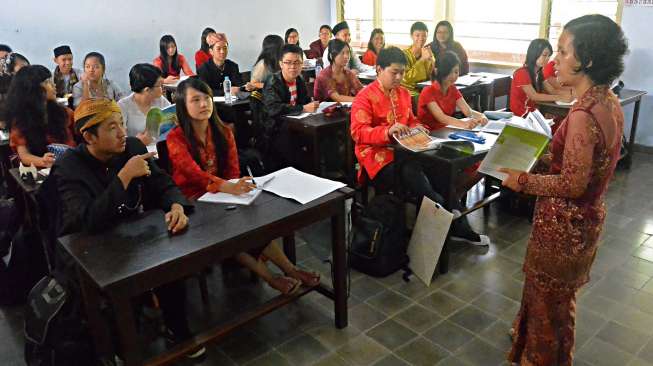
128, 32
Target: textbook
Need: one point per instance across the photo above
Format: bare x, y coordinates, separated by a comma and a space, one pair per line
418, 140
518, 146
160, 120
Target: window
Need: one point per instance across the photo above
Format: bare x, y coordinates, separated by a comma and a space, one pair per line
359, 14
496, 31
491, 33
397, 19
562, 11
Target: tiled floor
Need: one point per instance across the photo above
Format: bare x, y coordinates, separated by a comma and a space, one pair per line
461, 319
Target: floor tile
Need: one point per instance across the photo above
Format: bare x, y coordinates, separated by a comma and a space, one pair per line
303, 350
389, 302
600, 353
421, 352
449, 336
472, 319
418, 318
442, 303
391, 334
362, 351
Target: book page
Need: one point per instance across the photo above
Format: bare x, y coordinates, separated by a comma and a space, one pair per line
515, 148
297, 185
417, 140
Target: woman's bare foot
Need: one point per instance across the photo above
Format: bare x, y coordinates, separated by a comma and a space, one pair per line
310, 279
285, 285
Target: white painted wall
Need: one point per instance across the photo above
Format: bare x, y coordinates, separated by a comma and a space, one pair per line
127, 32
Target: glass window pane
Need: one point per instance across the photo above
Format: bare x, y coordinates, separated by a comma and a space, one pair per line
564, 11
398, 16
359, 14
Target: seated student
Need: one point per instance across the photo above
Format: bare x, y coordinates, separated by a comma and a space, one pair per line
419, 57
204, 157
35, 118
93, 84
380, 111
443, 41
341, 32
171, 62
11, 63
292, 37
146, 84
266, 64
438, 101
202, 55
374, 46
218, 67
284, 94
336, 82
527, 88
64, 75
110, 177
317, 47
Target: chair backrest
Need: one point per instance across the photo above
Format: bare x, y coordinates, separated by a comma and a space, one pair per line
164, 160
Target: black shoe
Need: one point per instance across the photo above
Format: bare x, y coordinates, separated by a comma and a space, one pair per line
196, 355
460, 230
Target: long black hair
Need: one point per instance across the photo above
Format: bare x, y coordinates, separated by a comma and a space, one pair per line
535, 49
335, 47
435, 45
218, 129
370, 43
205, 33
29, 110
290, 30
270, 49
165, 41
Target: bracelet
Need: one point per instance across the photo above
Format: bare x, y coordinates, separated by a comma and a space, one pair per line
522, 179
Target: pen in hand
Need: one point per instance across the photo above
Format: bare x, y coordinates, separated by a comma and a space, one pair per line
249, 171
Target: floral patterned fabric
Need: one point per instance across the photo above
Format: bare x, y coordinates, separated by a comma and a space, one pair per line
373, 112
567, 223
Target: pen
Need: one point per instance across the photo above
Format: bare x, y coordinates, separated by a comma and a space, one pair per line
249, 171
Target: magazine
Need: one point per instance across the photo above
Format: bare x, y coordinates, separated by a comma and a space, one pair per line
418, 140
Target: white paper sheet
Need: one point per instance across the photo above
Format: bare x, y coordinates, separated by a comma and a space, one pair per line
427, 240
469, 79
243, 199
299, 186
222, 99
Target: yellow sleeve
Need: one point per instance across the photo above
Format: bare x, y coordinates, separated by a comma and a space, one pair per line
416, 71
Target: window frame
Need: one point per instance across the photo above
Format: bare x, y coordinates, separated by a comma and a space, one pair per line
444, 9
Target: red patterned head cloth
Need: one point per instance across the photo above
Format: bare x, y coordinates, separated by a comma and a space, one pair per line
214, 38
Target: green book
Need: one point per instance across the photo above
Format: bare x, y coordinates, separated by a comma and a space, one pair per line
518, 146
160, 119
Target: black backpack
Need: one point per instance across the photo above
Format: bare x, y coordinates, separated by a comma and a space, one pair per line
378, 246
22, 267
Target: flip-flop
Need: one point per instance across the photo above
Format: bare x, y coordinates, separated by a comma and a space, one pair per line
296, 285
310, 279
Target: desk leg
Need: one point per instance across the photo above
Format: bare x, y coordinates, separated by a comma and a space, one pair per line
339, 267
126, 326
289, 247
96, 322
451, 201
633, 131
316, 155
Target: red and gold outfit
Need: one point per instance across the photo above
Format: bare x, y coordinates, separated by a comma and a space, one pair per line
196, 179
568, 219
373, 112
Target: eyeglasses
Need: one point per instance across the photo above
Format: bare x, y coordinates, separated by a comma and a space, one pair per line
292, 64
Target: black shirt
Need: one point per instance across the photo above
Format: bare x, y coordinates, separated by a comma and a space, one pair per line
92, 196
211, 74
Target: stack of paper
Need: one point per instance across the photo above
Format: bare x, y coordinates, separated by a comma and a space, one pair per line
469, 79
299, 186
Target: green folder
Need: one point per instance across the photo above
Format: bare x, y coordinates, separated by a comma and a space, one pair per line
157, 118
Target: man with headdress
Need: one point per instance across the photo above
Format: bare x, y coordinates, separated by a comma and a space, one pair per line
218, 67
109, 177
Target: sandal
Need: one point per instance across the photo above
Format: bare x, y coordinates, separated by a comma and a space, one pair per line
310, 279
285, 285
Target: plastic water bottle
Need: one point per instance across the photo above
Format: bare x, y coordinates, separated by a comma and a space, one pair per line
318, 69
227, 90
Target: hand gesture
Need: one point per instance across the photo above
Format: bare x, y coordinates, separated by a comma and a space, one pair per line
398, 129
47, 160
311, 107
138, 166
145, 137
176, 218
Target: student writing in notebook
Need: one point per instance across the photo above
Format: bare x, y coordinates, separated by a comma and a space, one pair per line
204, 157
170, 61
527, 87
381, 111
420, 60
438, 101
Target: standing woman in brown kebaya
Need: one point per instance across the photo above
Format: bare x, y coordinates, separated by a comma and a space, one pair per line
569, 213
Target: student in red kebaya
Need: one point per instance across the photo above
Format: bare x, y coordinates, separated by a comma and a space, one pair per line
204, 159
380, 111
170, 61
202, 55
527, 82
437, 102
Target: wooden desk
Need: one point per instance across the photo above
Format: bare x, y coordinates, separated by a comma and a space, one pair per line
139, 254
626, 96
316, 127
449, 163
236, 113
